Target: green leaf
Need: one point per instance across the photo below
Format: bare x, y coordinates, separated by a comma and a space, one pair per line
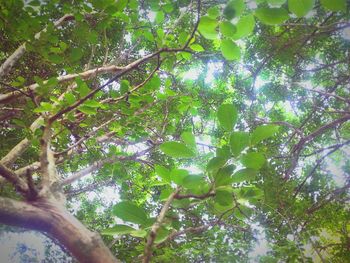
263, 132
176, 150
163, 173
224, 175
139, 233
227, 29
129, 212
216, 163
192, 181
213, 12
334, 5
189, 139
253, 160
159, 17
118, 230
178, 175
69, 97
224, 152
207, 27
197, 47
227, 116
92, 104
223, 198
87, 110
300, 7
238, 142
75, 54
244, 27
44, 107
247, 174
271, 16
233, 9
230, 50
276, 2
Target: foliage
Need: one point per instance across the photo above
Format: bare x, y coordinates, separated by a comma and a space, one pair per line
140, 124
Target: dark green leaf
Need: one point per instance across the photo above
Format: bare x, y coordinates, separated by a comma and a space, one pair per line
247, 174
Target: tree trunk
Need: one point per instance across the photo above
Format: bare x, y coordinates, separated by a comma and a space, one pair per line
50, 216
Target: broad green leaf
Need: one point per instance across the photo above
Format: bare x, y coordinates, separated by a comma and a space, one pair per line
192, 181
224, 175
224, 152
334, 5
163, 173
178, 175
276, 2
44, 107
230, 50
247, 174
69, 97
176, 150
139, 233
271, 16
207, 27
238, 142
227, 29
213, 12
263, 132
159, 17
223, 198
189, 139
87, 110
92, 104
227, 116
118, 230
162, 235
253, 160
300, 7
129, 212
75, 54
216, 163
244, 27
197, 47
233, 9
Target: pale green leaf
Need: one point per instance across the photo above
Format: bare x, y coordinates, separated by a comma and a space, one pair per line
176, 150
230, 50
300, 7
263, 132
227, 116
238, 142
129, 212
271, 16
253, 160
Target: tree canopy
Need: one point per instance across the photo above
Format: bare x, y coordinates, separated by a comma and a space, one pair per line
180, 131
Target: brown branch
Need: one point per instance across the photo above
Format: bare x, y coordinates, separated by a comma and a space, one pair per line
14, 179
11, 60
318, 163
303, 141
153, 234
85, 75
203, 196
98, 164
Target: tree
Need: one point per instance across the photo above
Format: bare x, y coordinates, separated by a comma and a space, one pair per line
207, 117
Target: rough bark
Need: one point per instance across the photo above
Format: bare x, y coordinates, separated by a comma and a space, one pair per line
49, 216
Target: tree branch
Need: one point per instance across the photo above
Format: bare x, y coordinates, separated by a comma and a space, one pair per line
153, 234
11, 60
